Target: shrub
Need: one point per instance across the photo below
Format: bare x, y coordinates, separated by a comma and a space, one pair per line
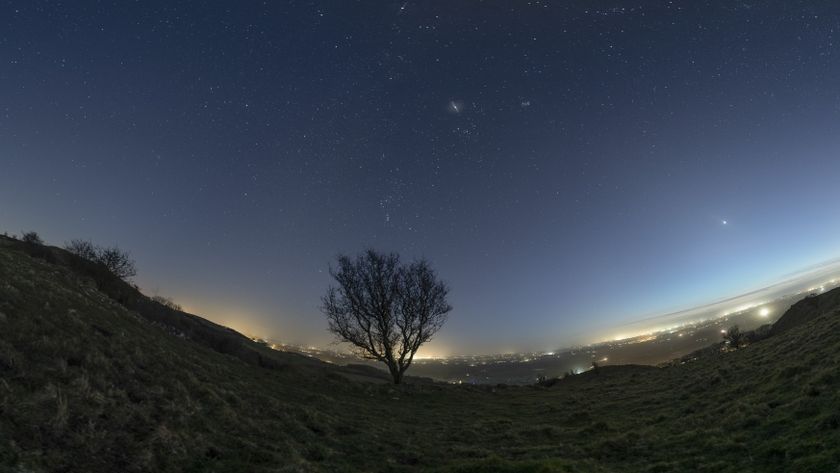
734, 337
117, 261
545, 382
758, 334
32, 238
83, 249
165, 301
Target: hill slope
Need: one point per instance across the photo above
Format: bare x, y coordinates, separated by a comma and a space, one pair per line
88, 385
805, 310
194, 328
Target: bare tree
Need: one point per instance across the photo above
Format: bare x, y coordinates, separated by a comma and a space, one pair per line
118, 262
83, 249
385, 309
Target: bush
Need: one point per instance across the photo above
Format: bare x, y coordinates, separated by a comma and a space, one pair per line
758, 334
734, 337
165, 301
32, 238
83, 249
118, 262
546, 382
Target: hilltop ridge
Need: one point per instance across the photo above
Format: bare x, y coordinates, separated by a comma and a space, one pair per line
174, 321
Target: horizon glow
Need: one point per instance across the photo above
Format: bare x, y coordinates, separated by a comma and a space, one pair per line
571, 171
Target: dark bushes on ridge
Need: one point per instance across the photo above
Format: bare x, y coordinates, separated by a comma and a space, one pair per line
758, 334
31, 238
163, 300
83, 249
733, 337
118, 262
547, 382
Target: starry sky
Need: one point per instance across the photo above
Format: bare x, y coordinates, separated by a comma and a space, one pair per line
566, 166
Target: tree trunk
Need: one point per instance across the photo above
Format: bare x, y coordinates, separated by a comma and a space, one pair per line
396, 374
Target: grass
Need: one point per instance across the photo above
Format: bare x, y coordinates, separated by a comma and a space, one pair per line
88, 385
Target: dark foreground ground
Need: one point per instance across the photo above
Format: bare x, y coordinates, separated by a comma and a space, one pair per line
88, 385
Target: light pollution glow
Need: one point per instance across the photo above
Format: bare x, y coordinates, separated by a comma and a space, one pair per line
814, 279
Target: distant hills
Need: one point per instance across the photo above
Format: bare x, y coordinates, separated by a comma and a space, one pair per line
97, 377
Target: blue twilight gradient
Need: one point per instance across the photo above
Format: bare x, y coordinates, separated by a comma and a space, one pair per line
567, 166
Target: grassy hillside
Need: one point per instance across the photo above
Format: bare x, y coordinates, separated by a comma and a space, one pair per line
89, 382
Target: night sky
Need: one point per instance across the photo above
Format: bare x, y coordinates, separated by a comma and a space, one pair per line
566, 166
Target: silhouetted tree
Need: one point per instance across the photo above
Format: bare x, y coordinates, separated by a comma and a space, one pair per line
118, 262
385, 309
32, 238
734, 337
83, 249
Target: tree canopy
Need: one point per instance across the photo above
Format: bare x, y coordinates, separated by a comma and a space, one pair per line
386, 309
